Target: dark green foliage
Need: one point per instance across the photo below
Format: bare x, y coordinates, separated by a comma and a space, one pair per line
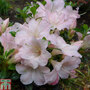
83, 30
68, 37
4, 7
23, 13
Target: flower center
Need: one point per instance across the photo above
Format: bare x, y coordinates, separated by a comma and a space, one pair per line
36, 51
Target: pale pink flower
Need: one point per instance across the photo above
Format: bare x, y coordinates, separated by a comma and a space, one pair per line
52, 78
65, 67
56, 15
28, 74
15, 27
34, 53
7, 40
51, 13
67, 49
34, 28
52, 6
72, 15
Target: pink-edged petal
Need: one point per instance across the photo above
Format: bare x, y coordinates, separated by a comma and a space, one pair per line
51, 78
78, 44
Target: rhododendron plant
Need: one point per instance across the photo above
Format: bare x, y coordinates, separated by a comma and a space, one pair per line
38, 42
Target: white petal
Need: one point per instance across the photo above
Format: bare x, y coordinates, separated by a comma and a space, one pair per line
21, 69
44, 69
26, 78
58, 4
70, 63
63, 74
38, 77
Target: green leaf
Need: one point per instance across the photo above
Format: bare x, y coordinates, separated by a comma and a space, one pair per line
89, 29
85, 26
13, 33
44, 38
18, 10
7, 53
25, 9
33, 10
11, 67
77, 29
43, 2
83, 29
49, 42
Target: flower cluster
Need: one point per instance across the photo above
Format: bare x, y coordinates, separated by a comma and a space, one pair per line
33, 39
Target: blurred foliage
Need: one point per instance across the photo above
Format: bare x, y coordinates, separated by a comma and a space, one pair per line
7, 70
4, 7
29, 10
84, 29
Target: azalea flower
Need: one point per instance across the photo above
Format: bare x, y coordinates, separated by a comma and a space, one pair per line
34, 28
69, 50
56, 15
65, 67
7, 40
52, 6
28, 74
34, 53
